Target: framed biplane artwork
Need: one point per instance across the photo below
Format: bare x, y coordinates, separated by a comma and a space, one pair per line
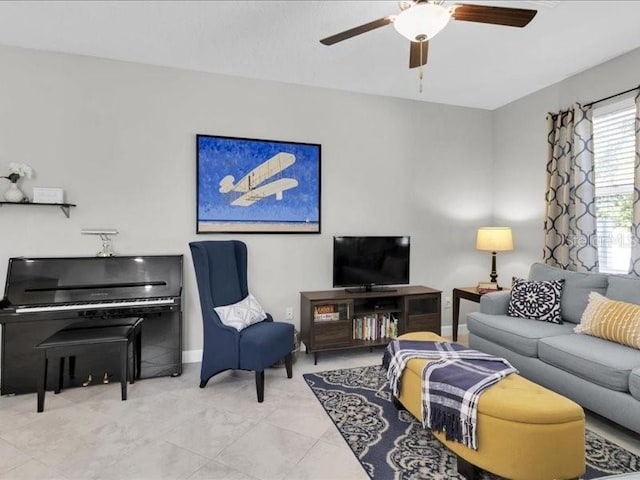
257, 186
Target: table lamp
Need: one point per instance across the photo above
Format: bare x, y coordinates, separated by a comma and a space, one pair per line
494, 239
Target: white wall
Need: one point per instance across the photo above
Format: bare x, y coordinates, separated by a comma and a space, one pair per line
120, 139
520, 142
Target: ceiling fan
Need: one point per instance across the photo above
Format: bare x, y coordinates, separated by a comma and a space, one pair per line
420, 20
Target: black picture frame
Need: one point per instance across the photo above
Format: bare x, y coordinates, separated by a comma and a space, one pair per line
247, 185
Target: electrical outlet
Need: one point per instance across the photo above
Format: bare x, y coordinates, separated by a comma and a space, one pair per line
288, 313
447, 302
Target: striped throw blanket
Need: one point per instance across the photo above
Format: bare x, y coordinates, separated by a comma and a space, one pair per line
451, 383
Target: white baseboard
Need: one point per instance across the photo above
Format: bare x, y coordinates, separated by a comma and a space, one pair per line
195, 356
447, 330
191, 356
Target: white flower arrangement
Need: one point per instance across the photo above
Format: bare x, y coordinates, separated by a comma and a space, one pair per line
17, 170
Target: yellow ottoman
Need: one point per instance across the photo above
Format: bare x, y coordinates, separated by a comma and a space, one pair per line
525, 432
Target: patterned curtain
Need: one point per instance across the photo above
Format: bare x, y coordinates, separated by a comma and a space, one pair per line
570, 223
635, 228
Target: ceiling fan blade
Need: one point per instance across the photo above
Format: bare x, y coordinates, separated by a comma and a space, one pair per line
352, 32
510, 17
416, 59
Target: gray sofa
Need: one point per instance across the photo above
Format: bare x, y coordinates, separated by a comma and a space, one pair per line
600, 375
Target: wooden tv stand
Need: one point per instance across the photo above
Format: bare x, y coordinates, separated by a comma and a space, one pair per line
337, 319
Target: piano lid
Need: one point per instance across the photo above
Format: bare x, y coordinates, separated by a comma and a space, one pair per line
46, 281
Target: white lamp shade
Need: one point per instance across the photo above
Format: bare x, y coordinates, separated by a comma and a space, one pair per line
422, 21
494, 239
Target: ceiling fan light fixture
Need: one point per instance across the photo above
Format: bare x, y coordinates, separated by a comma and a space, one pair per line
422, 21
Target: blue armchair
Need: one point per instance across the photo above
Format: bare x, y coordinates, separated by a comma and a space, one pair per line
221, 273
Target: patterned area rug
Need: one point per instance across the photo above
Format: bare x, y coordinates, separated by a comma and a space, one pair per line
392, 444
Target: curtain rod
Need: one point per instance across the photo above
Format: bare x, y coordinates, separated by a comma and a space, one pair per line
611, 96
553, 115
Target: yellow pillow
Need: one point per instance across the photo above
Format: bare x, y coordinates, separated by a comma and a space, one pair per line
611, 320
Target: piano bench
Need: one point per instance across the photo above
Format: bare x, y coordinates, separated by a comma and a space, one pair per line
70, 342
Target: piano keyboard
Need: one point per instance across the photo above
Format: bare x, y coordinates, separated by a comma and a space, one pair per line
89, 306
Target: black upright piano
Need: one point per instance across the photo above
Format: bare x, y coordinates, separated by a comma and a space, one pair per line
44, 295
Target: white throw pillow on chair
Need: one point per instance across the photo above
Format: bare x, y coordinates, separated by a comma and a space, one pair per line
242, 314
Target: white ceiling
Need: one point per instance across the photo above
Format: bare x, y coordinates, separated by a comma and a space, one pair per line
470, 64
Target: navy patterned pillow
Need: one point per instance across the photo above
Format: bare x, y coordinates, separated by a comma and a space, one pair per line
538, 300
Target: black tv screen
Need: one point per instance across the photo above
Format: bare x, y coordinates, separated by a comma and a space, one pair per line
369, 261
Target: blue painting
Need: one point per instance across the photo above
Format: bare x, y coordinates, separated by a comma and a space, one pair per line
257, 186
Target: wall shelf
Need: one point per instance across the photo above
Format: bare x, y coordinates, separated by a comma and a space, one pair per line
65, 207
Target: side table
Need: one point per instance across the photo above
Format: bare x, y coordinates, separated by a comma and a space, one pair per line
467, 293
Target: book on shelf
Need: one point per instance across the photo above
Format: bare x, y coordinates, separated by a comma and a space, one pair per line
326, 317
375, 327
488, 286
322, 309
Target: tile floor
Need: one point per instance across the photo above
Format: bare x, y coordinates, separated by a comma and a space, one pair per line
171, 429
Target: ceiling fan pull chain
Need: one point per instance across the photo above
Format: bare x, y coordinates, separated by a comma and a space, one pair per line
420, 75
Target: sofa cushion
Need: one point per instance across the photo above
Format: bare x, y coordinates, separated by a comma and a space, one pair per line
576, 289
495, 303
519, 335
634, 383
536, 300
599, 361
611, 320
625, 288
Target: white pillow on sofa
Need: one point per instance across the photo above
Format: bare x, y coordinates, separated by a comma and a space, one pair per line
242, 314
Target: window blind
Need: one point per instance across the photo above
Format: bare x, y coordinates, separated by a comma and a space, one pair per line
614, 155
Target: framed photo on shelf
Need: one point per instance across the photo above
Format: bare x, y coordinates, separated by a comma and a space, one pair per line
257, 186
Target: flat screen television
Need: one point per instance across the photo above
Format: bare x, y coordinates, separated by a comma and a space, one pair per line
370, 262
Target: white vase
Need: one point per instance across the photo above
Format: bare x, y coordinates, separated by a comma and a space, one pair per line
14, 194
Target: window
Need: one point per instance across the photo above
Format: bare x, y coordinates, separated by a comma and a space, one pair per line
614, 155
